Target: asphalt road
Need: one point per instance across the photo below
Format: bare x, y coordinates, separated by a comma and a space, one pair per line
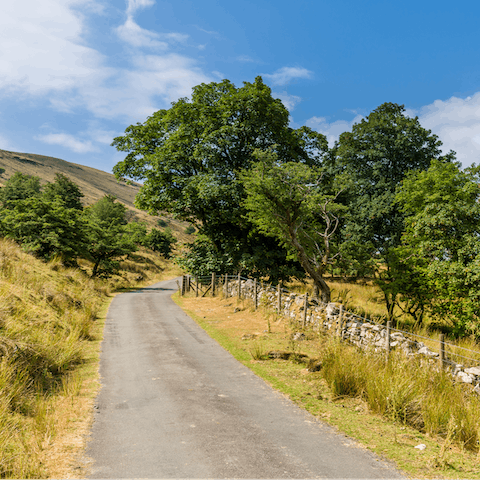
174, 404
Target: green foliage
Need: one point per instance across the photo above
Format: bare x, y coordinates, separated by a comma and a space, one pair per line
19, 187
137, 231
161, 223
441, 243
190, 229
294, 203
189, 158
45, 228
107, 235
377, 154
66, 190
161, 241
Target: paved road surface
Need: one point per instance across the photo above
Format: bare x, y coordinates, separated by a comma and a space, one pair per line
174, 404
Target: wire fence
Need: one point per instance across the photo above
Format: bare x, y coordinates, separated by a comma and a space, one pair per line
203, 285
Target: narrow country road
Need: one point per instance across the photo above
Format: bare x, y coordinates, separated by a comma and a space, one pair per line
174, 404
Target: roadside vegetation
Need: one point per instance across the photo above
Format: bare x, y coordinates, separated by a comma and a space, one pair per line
50, 331
390, 407
60, 265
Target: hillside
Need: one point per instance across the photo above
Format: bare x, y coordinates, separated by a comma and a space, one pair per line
92, 182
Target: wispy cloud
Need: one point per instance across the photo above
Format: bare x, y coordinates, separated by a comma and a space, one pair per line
134, 5
246, 59
331, 130
68, 141
130, 32
285, 74
290, 101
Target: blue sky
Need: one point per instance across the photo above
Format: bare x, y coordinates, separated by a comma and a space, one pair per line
75, 73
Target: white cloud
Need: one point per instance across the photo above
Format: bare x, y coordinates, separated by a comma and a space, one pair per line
290, 101
331, 130
456, 121
130, 32
45, 56
42, 52
137, 36
134, 5
283, 75
68, 141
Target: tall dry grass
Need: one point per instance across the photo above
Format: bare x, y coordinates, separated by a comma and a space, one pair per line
47, 315
404, 389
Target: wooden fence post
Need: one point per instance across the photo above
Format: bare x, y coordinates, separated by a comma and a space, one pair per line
305, 308
340, 322
279, 298
188, 284
183, 285
196, 285
255, 293
442, 350
387, 339
226, 285
239, 287
214, 279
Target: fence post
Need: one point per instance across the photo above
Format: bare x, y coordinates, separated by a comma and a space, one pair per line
226, 285
183, 285
442, 350
239, 287
213, 283
279, 297
188, 283
255, 293
196, 285
387, 339
305, 308
340, 322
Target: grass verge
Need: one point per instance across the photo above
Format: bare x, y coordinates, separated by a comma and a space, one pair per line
391, 429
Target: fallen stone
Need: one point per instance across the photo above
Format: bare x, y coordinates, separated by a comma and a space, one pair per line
473, 371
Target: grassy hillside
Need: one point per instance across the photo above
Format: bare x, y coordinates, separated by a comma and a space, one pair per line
93, 183
50, 329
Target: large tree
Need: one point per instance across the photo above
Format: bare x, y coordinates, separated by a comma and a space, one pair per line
190, 155
377, 154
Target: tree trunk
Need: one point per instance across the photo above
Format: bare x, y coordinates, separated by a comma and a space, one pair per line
320, 286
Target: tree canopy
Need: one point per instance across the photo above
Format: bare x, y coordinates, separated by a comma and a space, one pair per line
189, 158
377, 155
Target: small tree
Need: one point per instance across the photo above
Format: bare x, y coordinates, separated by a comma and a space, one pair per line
19, 187
292, 203
68, 191
45, 228
441, 243
107, 235
161, 242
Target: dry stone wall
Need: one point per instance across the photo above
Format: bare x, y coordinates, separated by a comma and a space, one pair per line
353, 329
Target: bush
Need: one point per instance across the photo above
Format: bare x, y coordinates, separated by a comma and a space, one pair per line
161, 242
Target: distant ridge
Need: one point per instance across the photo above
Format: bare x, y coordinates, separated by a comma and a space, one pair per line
92, 182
